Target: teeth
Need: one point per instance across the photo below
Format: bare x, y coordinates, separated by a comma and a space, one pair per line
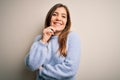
57, 24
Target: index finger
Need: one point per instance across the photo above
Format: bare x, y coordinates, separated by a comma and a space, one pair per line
52, 28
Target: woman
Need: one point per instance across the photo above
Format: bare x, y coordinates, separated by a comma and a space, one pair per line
55, 53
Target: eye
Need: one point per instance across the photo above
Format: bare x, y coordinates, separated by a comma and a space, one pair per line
54, 14
63, 16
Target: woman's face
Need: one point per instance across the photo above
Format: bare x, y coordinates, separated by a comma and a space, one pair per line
59, 19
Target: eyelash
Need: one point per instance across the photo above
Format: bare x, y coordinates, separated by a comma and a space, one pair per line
64, 16
56, 15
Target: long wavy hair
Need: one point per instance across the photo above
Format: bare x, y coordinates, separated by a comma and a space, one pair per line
63, 36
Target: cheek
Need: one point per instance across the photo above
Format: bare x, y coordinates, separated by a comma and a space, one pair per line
51, 23
65, 22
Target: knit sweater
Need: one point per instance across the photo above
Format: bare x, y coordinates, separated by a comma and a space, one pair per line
55, 66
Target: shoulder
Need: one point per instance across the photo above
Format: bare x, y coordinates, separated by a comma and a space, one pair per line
38, 37
73, 35
73, 38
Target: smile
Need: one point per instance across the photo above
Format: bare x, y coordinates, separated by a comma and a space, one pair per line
57, 23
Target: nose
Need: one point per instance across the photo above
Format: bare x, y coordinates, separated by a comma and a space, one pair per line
58, 17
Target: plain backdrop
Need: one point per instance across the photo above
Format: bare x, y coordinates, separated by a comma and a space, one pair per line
96, 21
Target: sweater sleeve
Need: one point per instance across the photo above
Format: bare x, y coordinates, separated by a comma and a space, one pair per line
69, 66
37, 55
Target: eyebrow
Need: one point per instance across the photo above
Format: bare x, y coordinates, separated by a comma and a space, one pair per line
62, 13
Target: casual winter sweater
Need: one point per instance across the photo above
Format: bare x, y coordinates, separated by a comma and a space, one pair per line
55, 66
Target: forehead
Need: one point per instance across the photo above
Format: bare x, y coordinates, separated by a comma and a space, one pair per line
61, 10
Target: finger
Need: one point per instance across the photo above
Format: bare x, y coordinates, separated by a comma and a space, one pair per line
53, 28
51, 31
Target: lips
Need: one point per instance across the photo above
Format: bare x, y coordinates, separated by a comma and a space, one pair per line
57, 23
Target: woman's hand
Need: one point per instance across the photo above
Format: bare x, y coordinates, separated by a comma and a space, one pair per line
47, 33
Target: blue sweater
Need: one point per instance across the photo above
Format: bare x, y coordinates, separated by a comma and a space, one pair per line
55, 66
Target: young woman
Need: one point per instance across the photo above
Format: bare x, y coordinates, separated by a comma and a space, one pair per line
55, 53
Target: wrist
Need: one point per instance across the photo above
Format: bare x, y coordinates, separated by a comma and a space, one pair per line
43, 41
